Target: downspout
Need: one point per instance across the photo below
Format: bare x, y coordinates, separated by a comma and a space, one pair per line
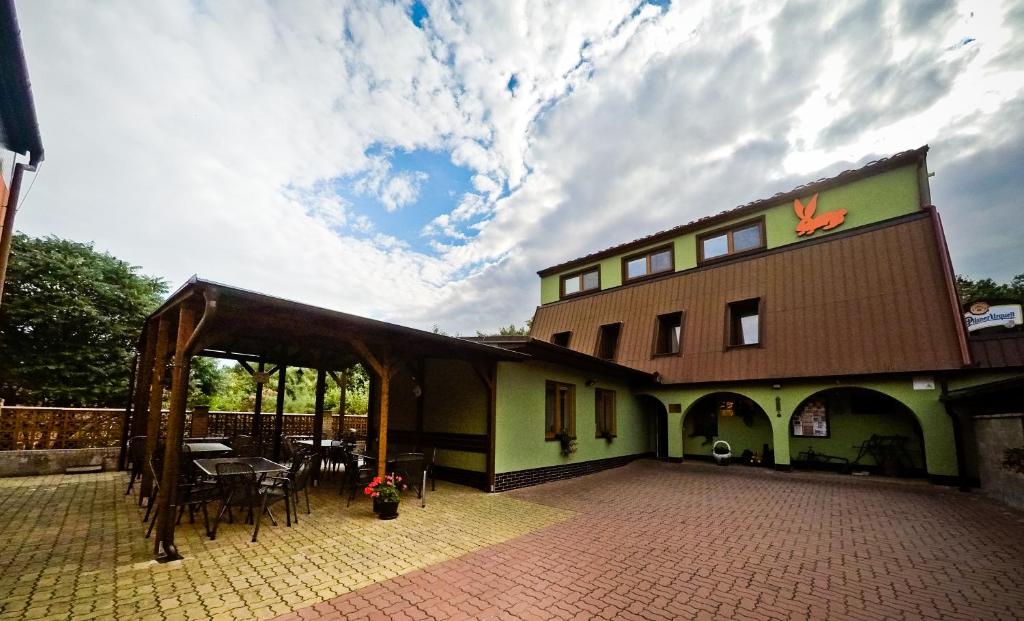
7, 233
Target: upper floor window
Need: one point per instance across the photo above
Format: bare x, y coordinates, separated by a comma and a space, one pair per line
608, 340
744, 323
649, 263
736, 239
559, 410
668, 334
561, 338
581, 282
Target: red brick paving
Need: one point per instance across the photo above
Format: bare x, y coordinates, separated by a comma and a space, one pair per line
670, 541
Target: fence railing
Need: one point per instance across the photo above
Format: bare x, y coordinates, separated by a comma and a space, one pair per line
38, 428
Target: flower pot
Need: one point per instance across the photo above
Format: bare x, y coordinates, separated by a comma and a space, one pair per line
387, 510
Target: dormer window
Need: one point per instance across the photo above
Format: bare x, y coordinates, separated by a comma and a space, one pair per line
649, 263
736, 239
581, 282
561, 338
608, 341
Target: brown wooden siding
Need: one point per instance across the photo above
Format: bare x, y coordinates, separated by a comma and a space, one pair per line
998, 351
873, 301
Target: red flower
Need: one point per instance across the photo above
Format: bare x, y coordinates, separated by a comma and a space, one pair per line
368, 490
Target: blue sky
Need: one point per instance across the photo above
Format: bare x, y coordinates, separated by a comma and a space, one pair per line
441, 189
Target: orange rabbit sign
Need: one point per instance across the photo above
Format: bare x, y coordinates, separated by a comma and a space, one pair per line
809, 223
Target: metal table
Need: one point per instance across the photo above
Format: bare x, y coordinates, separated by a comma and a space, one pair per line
323, 443
208, 447
260, 465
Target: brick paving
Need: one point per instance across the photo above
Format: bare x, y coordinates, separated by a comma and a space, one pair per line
683, 541
72, 547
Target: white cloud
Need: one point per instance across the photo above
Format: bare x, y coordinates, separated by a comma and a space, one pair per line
208, 137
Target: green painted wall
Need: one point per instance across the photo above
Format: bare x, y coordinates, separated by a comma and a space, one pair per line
936, 427
887, 195
520, 443
732, 429
456, 401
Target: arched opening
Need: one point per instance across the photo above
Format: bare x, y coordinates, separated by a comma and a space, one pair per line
657, 418
856, 429
731, 417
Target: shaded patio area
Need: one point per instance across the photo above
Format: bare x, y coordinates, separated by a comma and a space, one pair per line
73, 547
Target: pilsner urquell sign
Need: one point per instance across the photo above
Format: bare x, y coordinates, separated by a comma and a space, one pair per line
981, 315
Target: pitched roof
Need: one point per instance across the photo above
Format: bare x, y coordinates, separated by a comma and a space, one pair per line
873, 168
19, 129
549, 352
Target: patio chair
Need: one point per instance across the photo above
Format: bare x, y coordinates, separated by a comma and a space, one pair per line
298, 477
244, 446
137, 459
410, 467
241, 488
358, 474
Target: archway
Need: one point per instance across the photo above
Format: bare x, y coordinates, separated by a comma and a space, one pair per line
854, 428
657, 419
732, 417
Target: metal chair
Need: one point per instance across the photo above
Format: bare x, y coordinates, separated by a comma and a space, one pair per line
244, 446
410, 467
358, 473
298, 477
241, 488
137, 458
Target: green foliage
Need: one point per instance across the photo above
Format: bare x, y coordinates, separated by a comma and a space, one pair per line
69, 322
988, 289
511, 330
235, 390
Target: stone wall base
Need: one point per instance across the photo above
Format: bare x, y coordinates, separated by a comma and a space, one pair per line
994, 434
524, 478
54, 461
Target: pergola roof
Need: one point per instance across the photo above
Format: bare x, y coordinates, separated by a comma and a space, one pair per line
245, 325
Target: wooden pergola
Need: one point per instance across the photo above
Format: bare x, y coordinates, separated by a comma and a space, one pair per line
204, 318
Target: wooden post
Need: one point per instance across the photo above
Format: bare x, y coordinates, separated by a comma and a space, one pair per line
318, 418
383, 369
126, 422
140, 405
167, 501
282, 371
342, 380
257, 410
372, 409
489, 378
384, 386
156, 401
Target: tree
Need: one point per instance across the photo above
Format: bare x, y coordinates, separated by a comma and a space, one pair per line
69, 322
511, 330
988, 289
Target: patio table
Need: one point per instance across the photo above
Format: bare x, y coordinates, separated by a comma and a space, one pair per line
208, 447
323, 443
260, 465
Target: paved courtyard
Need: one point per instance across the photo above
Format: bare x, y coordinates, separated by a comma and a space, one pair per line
650, 540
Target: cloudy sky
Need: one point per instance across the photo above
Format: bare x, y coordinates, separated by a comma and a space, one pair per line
420, 161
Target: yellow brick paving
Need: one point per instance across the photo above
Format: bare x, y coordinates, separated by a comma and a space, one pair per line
72, 547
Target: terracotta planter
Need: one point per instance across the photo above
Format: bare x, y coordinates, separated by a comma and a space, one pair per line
387, 510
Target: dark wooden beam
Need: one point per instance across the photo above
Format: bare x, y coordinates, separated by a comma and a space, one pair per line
167, 501
282, 373
341, 379
318, 418
156, 400
257, 410
490, 379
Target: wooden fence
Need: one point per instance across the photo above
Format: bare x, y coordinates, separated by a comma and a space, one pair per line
36, 428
